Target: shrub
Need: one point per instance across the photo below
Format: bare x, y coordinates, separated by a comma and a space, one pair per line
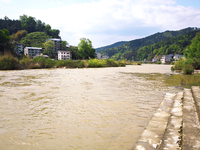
158, 62
96, 63
188, 69
42, 62
188, 66
179, 64
8, 62
139, 63
172, 68
111, 63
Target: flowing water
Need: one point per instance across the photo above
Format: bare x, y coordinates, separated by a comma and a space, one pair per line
79, 109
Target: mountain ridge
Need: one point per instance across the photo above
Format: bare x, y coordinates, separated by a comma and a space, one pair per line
121, 51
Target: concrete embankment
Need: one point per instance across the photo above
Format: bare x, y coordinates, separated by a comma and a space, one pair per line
175, 125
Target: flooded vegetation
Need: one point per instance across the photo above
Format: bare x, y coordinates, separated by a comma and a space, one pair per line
103, 108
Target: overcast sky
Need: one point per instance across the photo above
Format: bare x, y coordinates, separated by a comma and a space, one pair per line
105, 22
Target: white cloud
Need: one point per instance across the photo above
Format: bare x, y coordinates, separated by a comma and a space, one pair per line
104, 21
6, 1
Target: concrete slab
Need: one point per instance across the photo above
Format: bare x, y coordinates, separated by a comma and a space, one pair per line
196, 95
152, 136
172, 136
191, 127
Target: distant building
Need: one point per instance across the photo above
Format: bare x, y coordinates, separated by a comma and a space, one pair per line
64, 55
166, 59
105, 57
41, 55
32, 51
57, 46
98, 55
18, 48
177, 56
154, 59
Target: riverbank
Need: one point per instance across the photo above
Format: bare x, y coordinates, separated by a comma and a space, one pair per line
8, 62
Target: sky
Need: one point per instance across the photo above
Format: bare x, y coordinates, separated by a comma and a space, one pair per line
105, 22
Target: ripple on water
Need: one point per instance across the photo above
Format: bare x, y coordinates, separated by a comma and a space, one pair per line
106, 108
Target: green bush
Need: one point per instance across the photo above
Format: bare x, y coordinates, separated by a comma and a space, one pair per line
96, 63
111, 63
188, 69
188, 66
8, 62
172, 68
139, 63
179, 64
158, 62
42, 62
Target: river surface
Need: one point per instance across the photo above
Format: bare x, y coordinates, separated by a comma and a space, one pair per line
79, 109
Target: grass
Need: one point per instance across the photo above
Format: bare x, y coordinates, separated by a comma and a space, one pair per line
8, 62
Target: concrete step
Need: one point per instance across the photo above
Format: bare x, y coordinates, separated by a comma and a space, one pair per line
191, 127
175, 125
172, 136
196, 95
152, 136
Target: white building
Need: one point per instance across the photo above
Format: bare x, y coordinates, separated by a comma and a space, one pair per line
32, 51
177, 56
166, 59
64, 55
154, 59
56, 47
98, 55
105, 57
18, 48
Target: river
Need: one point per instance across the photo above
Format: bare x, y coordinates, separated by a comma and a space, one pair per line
79, 109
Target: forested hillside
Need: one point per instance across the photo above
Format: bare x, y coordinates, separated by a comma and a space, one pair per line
28, 23
101, 49
35, 39
156, 44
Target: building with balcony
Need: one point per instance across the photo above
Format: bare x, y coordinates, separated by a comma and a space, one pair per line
64, 55
18, 48
57, 45
32, 51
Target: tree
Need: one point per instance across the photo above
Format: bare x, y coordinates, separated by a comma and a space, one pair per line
85, 49
48, 47
4, 40
74, 52
19, 35
40, 26
28, 23
193, 50
64, 45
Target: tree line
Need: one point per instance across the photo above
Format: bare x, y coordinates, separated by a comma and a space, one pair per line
29, 24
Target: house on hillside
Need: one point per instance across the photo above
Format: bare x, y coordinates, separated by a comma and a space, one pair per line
64, 55
57, 46
166, 59
154, 59
177, 56
32, 51
18, 48
105, 57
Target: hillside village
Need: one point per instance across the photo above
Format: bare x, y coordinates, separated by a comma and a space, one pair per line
61, 54
58, 51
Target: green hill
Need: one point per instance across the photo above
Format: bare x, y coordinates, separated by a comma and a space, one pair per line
101, 49
35, 39
146, 48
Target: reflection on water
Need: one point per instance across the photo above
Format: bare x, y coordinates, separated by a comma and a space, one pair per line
104, 108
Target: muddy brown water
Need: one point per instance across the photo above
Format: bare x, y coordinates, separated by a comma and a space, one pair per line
79, 109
